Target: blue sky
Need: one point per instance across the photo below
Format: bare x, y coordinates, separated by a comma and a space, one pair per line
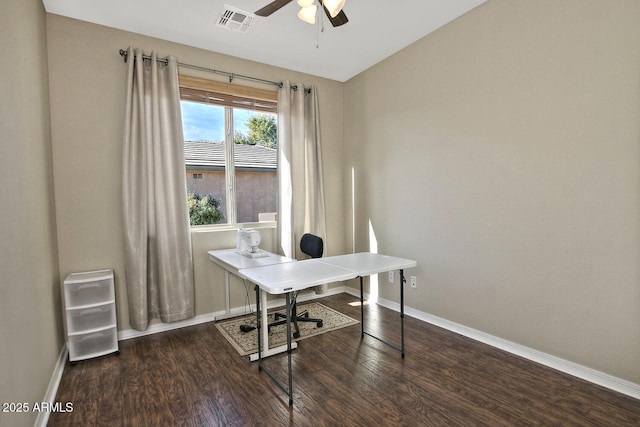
202, 122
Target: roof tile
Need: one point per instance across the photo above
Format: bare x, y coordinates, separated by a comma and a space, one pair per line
211, 154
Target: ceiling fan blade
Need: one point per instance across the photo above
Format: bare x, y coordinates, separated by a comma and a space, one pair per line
339, 19
272, 7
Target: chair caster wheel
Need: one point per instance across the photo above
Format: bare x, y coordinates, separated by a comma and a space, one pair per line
319, 324
296, 334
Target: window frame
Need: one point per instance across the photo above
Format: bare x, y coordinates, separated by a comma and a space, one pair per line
230, 96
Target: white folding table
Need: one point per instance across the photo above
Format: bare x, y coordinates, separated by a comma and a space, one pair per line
367, 264
285, 278
232, 262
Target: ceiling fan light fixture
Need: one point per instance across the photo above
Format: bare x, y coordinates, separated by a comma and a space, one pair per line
333, 6
308, 14
305, 3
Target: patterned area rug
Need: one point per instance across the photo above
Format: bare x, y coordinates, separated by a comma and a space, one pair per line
246, 342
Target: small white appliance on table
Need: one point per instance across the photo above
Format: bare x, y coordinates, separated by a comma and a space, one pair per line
248, 242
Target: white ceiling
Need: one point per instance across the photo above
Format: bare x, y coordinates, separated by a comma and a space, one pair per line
376, 29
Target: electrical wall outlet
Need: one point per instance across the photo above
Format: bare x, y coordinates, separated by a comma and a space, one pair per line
392, 276
414, 282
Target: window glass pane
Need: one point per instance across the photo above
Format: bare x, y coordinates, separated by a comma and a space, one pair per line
255, 162
203, 127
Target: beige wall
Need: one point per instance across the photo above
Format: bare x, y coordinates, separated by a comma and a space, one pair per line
88, 79
503, 152
30, 309
256, 192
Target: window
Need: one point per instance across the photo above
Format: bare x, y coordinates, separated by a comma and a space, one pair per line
230, 142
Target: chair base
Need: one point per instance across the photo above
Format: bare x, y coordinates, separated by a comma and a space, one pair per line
302, 317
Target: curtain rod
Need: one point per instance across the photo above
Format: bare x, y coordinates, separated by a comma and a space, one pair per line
231, 76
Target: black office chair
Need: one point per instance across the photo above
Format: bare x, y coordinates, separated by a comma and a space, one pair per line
314, 247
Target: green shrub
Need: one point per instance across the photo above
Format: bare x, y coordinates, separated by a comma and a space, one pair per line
204, 209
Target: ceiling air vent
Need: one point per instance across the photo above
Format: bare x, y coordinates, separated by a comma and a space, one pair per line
235, 19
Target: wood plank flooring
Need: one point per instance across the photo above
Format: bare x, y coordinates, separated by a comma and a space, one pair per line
194, 377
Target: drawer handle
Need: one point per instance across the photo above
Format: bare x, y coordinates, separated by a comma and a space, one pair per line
89, 286
96, 335
90, 311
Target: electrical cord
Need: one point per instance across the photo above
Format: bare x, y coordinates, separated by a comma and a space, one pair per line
251, 324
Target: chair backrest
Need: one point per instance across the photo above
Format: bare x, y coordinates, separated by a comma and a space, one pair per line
312, 245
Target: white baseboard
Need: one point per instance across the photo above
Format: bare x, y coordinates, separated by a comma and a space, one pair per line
562, 365
52, 389
163, 327
210, 317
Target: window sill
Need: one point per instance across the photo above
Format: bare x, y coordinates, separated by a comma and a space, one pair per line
232, 227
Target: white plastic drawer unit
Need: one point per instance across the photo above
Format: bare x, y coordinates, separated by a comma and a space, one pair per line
86, 289
92, 344
81, 320
90, 314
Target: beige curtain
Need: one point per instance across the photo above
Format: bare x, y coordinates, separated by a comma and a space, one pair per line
301, 193
158, 260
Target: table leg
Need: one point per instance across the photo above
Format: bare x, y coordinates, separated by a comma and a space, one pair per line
402, 282
227, 297
259, 324
261, 297
363, 332
288, 304
227, 293
361, 308
265, 321
288, 390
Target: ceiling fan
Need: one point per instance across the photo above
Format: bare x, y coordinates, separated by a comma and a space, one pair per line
332, 8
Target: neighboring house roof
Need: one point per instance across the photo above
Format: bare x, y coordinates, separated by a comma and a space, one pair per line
210, 155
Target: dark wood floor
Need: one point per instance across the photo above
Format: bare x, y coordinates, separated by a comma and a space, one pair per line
193, 377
